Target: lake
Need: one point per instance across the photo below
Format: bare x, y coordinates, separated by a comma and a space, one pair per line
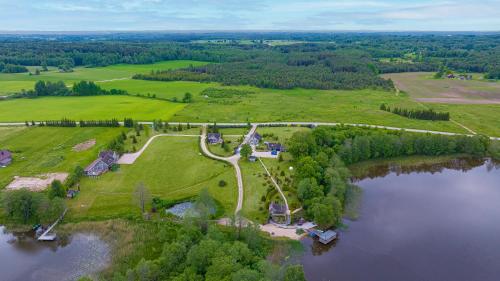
428, 222
23, 258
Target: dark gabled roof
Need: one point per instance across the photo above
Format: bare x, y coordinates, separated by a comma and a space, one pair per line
256, 136
108, 156
275, 146
5, 154
214, 137
276, 208
95, 164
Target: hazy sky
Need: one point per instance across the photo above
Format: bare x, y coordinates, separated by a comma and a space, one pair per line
80, 15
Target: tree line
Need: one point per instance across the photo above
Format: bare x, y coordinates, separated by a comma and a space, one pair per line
322, 179
59, 88
12, 68
421, 114
65, 122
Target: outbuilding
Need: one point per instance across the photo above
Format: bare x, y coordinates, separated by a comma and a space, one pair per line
5, 158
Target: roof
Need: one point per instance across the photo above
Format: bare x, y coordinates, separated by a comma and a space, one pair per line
213, 137
108, 156
5, 154
327, 235
274, 146
95, 164
256, 136
276, 208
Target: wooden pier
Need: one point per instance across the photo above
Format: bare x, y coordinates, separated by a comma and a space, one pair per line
47, 236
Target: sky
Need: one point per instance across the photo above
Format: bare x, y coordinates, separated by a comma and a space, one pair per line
306, 15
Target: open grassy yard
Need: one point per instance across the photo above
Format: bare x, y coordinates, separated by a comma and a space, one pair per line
38, 150
11, 83
171, 168
423, 87
87, 108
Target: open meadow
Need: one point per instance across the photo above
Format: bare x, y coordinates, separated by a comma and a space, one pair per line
171, 167
267, 105
38, 150
87, 108
12, 83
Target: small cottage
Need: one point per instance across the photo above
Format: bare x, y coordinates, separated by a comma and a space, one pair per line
5, 158
102, 164
277, 212
214, 138
71, 193
252, 158
255, 139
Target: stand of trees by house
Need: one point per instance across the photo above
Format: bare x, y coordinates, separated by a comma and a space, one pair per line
423, 114
320, 157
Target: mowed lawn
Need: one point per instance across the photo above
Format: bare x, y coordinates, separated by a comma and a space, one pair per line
86, 108
38, 150
171, 168
11, 83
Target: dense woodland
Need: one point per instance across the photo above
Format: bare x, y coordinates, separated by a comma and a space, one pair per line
326, 61
321, 155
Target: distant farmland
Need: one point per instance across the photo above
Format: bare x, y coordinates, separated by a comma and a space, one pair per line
422, 87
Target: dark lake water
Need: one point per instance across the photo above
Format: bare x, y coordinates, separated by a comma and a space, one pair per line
23, 258
433, 222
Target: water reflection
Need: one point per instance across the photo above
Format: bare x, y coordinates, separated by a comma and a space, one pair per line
463, 164
430, 222
68, 258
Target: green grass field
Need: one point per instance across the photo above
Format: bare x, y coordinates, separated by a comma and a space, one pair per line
39, 150
171, 168
87, 108
11, 83
267, 105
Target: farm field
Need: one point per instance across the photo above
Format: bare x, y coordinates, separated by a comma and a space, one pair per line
267, 105
11, 83
421, 86
171, 168
38, 150
87, 108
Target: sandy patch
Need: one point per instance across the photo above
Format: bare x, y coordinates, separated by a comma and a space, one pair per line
39, 183
84, 145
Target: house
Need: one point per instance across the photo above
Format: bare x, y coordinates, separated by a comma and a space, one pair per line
450, 76
252, 158
275, 147
109, 157
71, 193
278, 212
255, 139
5, 158
324, 237
214, 138
327, 236
102, 164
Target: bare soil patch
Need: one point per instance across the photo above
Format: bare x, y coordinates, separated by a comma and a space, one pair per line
84, 145
38, 183
422, 87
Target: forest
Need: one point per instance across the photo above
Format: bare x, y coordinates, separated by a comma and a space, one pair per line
324, 61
